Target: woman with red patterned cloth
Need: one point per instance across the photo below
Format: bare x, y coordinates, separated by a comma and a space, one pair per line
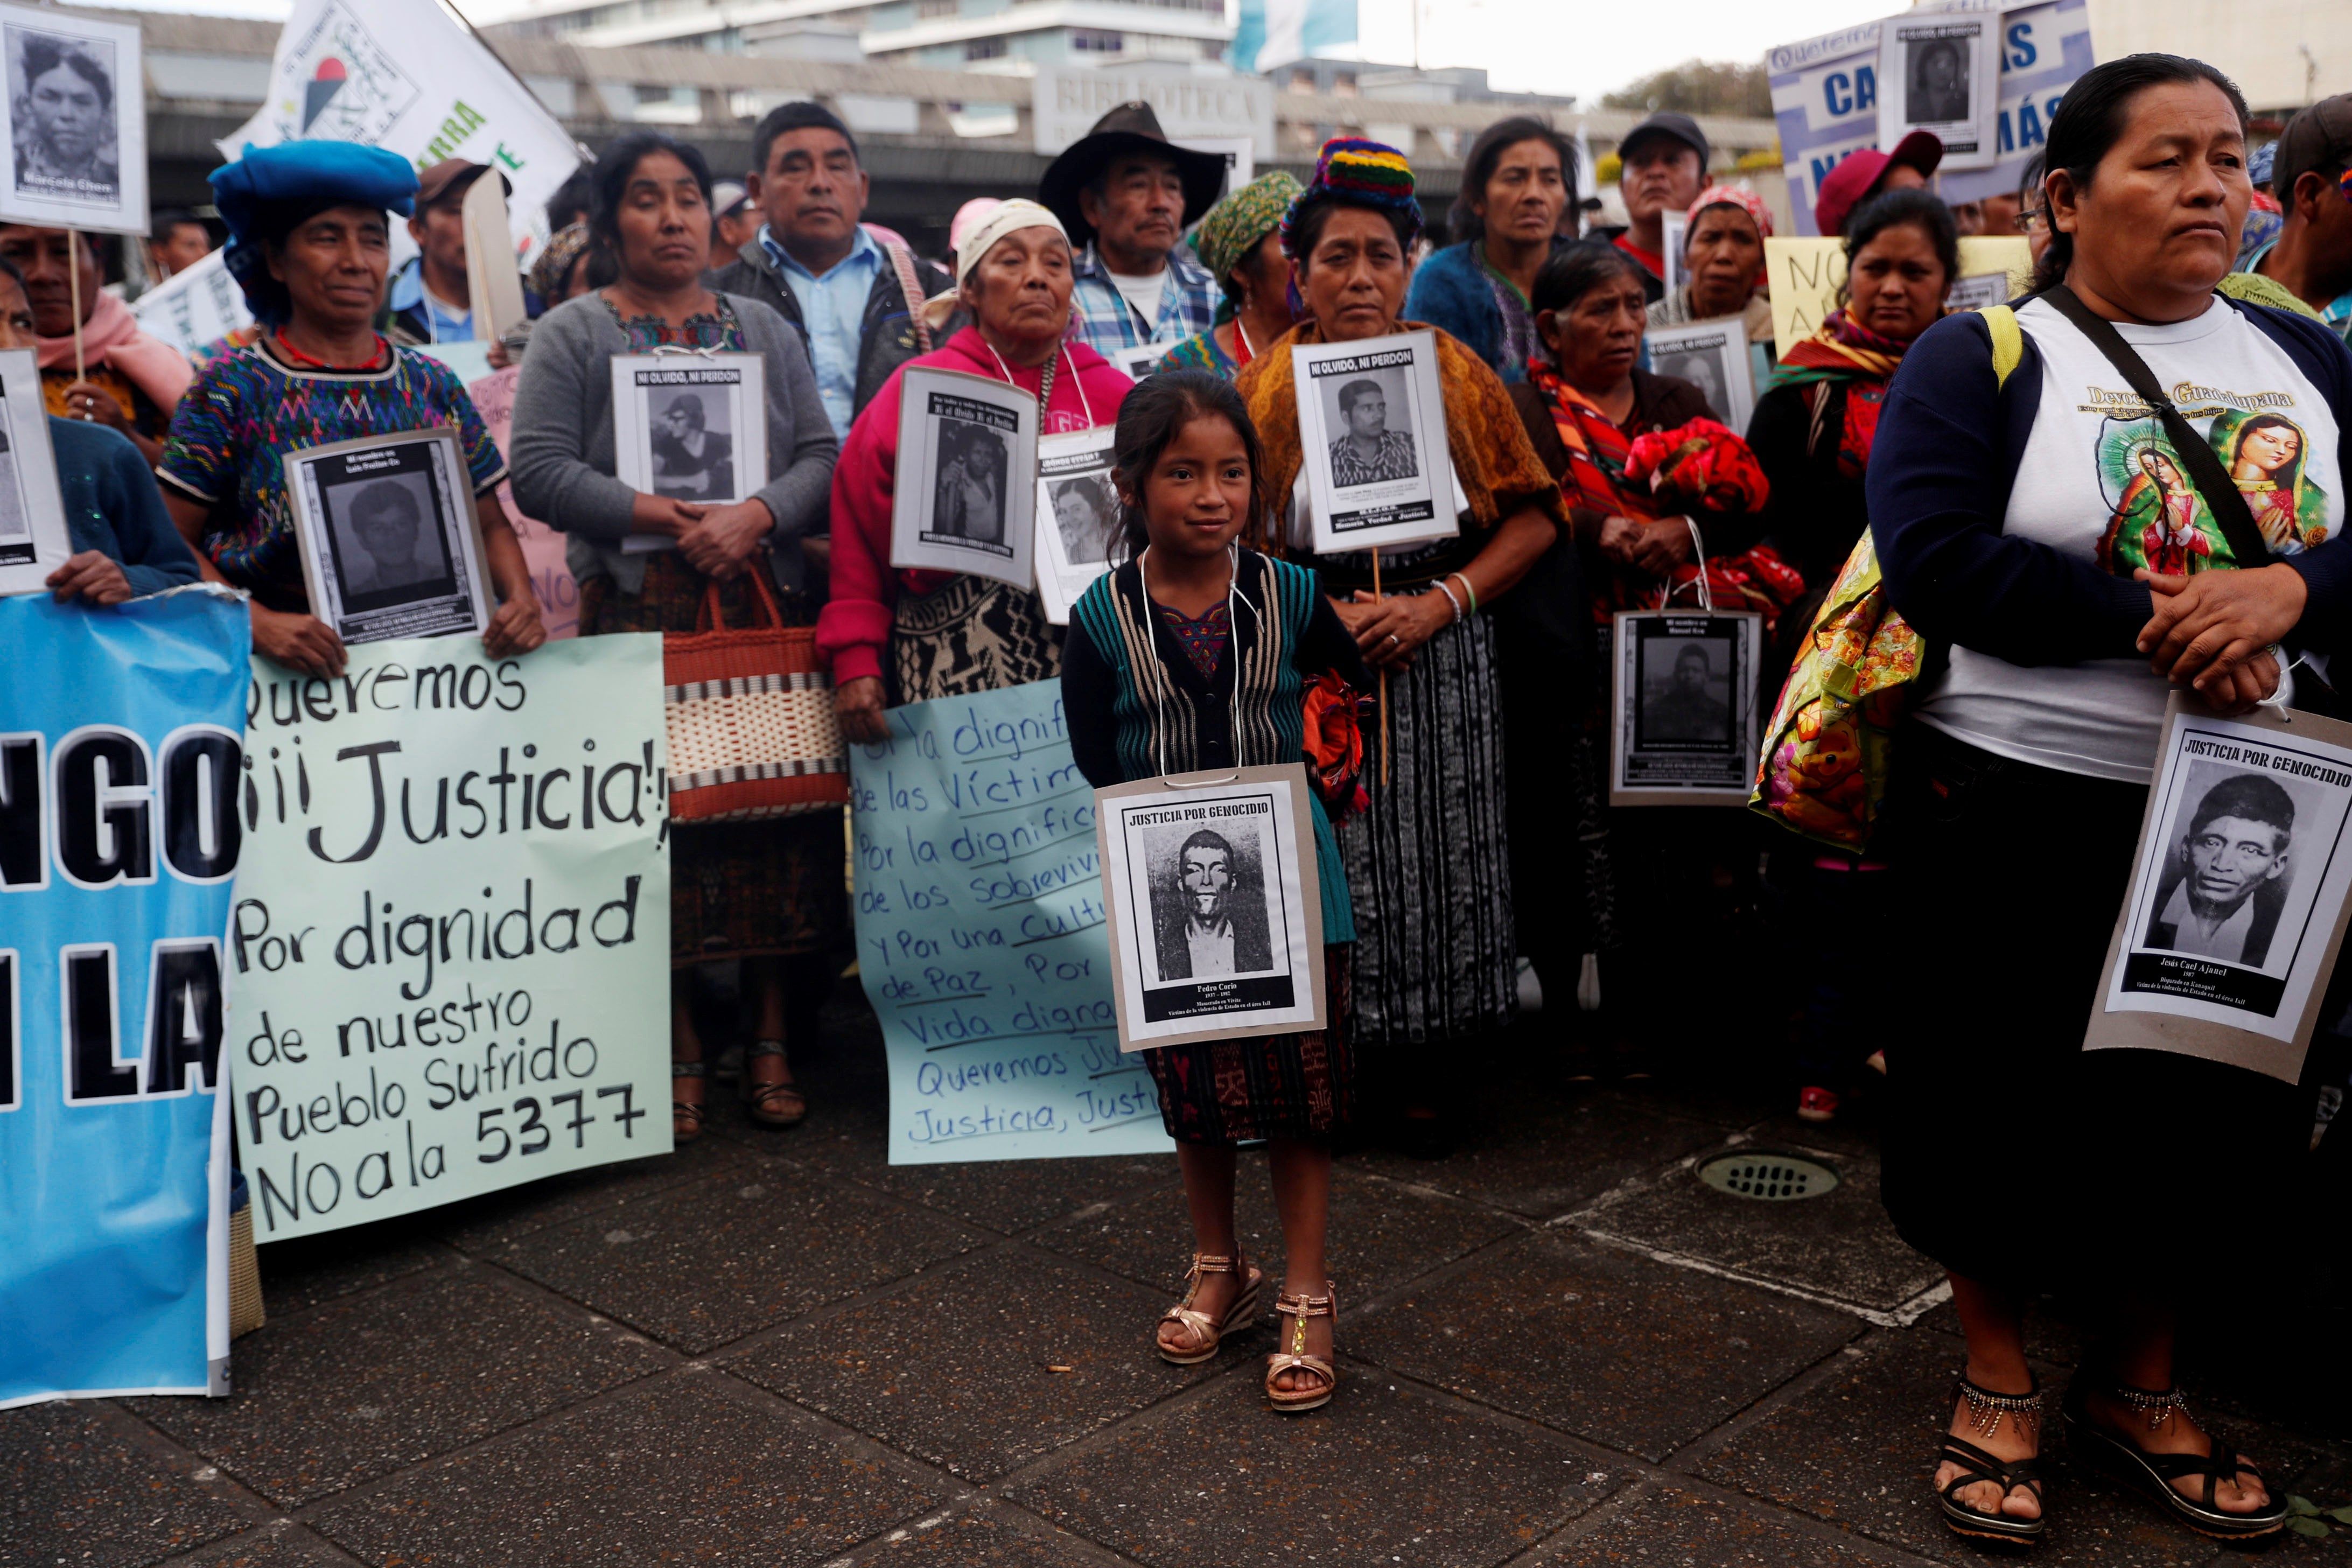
1656, 491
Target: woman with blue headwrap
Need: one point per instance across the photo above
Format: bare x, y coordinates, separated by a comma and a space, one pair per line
309, 243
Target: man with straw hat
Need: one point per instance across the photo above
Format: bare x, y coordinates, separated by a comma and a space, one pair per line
1126, 194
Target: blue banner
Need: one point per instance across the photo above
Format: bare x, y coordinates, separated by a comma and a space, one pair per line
981, 940
122, 753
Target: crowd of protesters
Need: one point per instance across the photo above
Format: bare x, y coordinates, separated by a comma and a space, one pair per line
1587, 484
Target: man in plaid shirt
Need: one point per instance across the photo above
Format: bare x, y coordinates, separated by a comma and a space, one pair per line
1127, 195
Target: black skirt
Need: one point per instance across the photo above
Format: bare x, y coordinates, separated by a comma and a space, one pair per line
2011, 1155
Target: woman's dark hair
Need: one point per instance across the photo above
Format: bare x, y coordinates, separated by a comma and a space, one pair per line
2273, 422
1304, 231
43, 53
1913, 208
615, 170
2090, 121
1478, 168
1159, 406
16, 275
1575, 270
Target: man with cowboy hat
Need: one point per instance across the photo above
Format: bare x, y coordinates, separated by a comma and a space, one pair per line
1126, 194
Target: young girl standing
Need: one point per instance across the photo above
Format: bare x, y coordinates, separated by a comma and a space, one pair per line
1196, 655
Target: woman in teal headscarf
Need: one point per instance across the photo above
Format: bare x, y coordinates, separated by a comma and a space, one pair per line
1240, 241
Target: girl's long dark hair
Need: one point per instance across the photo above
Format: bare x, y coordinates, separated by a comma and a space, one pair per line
1159, 406
2090, 121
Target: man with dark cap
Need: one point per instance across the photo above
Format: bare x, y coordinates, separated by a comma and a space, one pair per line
2311, 174
1848, 188
1664, 160
431, 298
1126, 193
857, 300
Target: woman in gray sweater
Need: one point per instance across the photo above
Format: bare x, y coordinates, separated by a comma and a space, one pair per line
767, 893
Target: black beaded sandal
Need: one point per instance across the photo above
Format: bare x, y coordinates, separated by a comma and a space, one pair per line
1987, 1411
2151, 1475
777, 1105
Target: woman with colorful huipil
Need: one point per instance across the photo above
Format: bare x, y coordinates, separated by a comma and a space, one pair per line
309, 244
768, 893
1427, 864
1197, 654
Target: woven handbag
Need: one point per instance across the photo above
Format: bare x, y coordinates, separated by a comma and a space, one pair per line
752, 734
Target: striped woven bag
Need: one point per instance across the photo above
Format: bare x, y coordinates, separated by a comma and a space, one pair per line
752, 734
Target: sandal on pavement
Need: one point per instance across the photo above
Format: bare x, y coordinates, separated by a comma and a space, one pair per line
2151, 1474
772, 1104
1298, 1309
1210, 1331
685, 1120
1987, 1410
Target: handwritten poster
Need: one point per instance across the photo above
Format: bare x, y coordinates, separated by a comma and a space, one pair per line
1803, 276
981, 937
449, 946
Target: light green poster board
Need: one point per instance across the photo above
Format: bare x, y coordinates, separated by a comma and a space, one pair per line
450, 943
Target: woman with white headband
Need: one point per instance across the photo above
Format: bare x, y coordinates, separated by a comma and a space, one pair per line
897, 636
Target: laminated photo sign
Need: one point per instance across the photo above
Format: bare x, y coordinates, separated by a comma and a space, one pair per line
387, 527
1215, 910
2238, 894
1683, 727
1372, 423
967, 477
76, 153
1077, 517
34, 539
692, 425
1939, 71
1712, 356
1137, 362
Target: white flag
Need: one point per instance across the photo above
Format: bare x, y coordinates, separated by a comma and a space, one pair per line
407, 76
194, 307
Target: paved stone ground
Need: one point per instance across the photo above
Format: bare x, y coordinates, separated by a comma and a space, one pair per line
1559, 1350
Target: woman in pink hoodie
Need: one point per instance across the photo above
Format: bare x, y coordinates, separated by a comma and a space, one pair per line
897, 636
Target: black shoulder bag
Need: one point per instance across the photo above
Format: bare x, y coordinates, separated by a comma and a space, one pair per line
2248, 548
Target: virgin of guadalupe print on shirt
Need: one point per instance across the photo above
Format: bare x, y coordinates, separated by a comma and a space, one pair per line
2157, 520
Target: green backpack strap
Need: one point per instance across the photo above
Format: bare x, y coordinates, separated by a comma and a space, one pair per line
2008, 342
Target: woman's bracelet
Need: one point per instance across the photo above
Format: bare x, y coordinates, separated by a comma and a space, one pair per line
1468, 588
1449, 598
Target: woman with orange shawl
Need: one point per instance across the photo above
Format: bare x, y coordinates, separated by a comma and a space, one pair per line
1426, 865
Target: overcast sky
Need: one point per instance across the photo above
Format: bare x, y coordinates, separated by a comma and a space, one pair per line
1583, 47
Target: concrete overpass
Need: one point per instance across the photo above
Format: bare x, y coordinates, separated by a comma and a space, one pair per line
206, 75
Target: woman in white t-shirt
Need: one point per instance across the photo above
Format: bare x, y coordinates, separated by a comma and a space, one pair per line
2045, 531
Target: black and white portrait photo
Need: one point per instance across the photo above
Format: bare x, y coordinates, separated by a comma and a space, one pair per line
1374, 443
688, 427
1684, 708
968, 489
970, 494
2229, 871
693, 446
1936, 74
1703, 369
15, 528
387, 529
1208, 905
63, 115
1685, 691
386, 537
1086, 514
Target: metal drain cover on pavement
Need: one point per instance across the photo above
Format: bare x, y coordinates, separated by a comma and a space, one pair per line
1760, 1174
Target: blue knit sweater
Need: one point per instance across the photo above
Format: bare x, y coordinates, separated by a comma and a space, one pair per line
112, 506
